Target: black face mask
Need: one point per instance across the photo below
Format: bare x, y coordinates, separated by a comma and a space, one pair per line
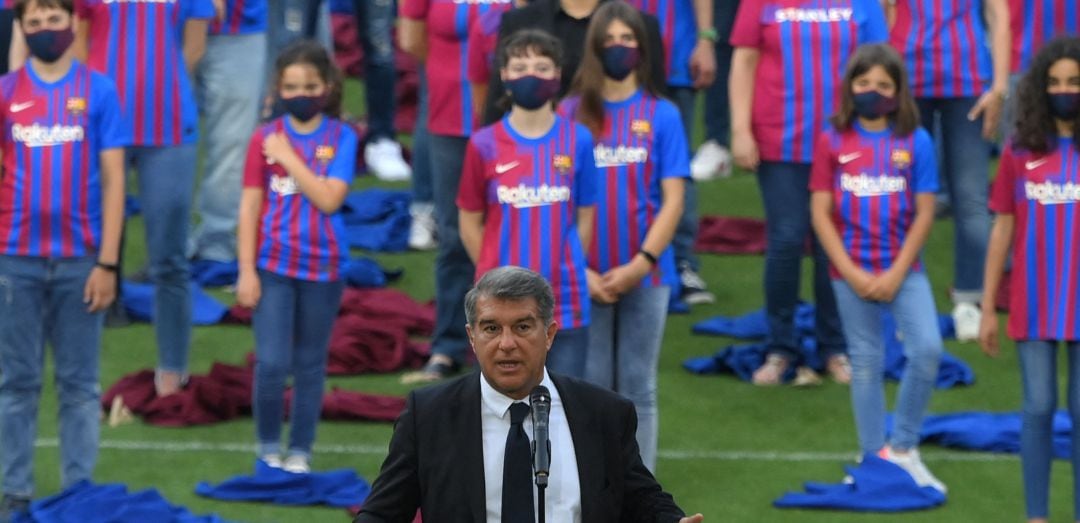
619, 61
48, 45
304, 108
873, 105
1064, 106
532, 92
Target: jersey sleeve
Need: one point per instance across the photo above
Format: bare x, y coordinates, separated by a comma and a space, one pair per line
478, 69
111, 126
255, 162
473, 183
671, 148
198, 9
872, 26
586, 181
823, 169
925, 166
1002, 199
747, 29
344, 165
415, 9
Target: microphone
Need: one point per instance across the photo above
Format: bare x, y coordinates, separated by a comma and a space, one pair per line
541, 411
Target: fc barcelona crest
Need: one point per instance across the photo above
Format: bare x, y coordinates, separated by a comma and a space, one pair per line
76, 105
562, 163
901, 158
640, 127
324, 153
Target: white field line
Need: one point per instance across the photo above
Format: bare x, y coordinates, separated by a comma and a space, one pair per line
670, 454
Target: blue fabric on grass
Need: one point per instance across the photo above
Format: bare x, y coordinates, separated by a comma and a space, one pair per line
85, 502
336, 488
987, 431
878, 486
378, 219
742, 360
138, 300
358, 272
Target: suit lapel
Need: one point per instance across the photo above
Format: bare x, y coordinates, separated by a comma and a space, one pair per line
588, 448
473, 449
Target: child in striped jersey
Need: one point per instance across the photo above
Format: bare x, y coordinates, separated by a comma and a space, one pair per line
1036, 197
291, 246
872, 204
642, 162
528, 191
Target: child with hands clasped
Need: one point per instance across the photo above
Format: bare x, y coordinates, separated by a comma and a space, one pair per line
291, 247
1038, 216
873, 182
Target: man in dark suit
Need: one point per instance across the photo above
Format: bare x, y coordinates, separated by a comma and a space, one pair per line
455, 447
568, 21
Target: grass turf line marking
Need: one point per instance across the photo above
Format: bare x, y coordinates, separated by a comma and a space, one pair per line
669, 454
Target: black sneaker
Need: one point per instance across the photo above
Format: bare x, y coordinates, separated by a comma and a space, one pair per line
694, 290
13, 506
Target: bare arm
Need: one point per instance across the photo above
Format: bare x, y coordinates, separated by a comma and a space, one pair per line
703, 57
585, 216
82, 38
247, 231
17, 53
989, 104
479, 95
326, 194
194, 42
744, 63
997, 253
112, 204
412, 37
471, 227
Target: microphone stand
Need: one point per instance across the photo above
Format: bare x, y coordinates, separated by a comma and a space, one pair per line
541, 486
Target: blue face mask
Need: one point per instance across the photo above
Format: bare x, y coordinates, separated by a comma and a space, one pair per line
619, 61
532, 92
304, 108
873, 105
48, 45
1064, 106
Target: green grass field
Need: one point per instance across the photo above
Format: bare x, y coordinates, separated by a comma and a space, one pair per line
727, 448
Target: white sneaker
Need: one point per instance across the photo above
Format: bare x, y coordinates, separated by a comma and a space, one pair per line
422, 230
272, 460
383, 157
911, 462
966, 319
296, 464
712, 160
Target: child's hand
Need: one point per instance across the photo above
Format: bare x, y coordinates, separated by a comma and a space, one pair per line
100, 290
597, 291
886, 285
624, 278
988, 334
862, 283
276, 147
248, 290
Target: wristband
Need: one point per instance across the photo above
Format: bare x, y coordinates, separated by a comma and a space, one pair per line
709, 34
648, 256
111, 267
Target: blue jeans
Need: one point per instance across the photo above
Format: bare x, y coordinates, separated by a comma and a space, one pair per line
454, 271
965, 171
41, 300
916, 320
422, 190
1038, 372
292, 325
228, 83
785, 191
717, 105
375, 19
291, 20
166, 180
568, 352
687, 229
624, 355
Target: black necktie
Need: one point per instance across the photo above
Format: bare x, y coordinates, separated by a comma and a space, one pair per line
517, 493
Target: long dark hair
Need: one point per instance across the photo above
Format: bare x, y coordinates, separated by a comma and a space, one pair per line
1036, 130
589, 81
521, 43
906, 117
312, 53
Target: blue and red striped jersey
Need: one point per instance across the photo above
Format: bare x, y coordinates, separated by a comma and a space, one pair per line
679, 31
450, 109
139, 44
874, 178
1035, 22
296, 239
804, 46
483, 37
53, 136
530, 190
1042, 192
944, 45
643, 144
241, 17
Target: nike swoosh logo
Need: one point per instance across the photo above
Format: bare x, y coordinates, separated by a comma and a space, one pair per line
847, 158
501, 168
1034, 164
19, 107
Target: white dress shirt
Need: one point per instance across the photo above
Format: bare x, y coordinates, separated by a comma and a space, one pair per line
563, 493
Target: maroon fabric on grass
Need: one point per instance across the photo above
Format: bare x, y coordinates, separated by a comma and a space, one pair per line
225, 393
730, 235
373, 329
